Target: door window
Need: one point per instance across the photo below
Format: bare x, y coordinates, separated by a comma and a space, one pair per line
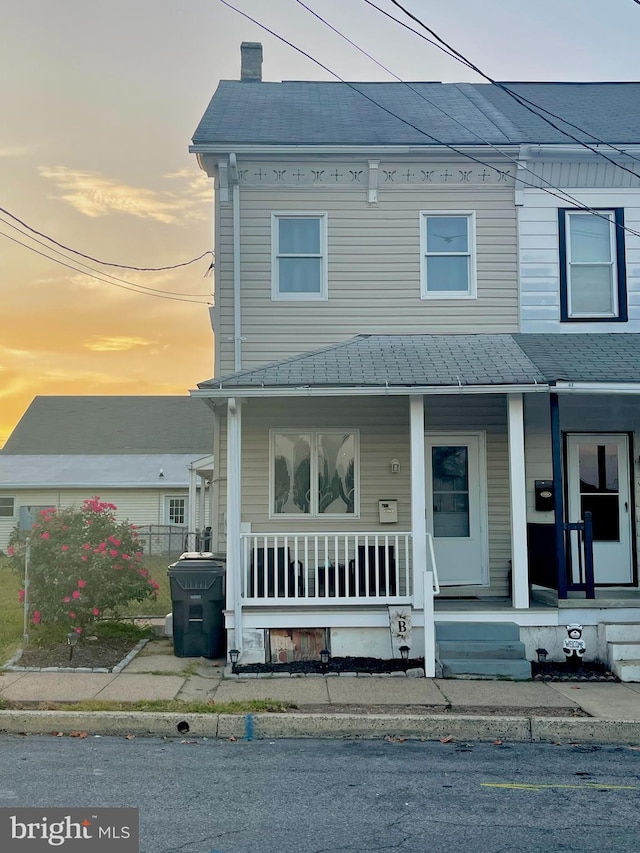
450, 466
599, 489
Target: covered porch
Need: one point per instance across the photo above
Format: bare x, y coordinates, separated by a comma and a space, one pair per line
437, 497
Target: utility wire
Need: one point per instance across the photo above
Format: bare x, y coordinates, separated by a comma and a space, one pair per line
92, 269
99, 277
564, 196
526, 103
97, 260
416, 91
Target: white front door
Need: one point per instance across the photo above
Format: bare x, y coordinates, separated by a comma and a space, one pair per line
598, 475
456, 507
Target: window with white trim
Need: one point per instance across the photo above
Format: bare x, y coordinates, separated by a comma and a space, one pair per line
299, 256
7, 506
314, 473
175, 510
592, 266
447, 255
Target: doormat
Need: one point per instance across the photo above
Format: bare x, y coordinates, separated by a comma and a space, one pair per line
560, 672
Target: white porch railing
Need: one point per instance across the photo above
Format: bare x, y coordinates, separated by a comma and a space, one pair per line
326, 568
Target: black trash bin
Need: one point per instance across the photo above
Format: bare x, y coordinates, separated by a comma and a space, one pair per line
198, 596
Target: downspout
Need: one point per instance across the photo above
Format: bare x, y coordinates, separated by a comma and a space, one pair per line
237, 320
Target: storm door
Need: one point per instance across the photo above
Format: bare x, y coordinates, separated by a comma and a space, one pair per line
598, 482
456, 507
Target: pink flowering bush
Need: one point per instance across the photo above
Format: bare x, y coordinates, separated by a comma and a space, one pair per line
83, 563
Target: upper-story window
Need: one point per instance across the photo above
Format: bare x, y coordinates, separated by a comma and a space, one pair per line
448, 255
299, 256
592, 266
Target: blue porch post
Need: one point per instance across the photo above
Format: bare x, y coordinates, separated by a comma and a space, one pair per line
558, 494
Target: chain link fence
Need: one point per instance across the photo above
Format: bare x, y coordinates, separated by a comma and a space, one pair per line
172, 539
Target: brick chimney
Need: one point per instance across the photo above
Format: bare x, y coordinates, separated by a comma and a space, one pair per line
251, 62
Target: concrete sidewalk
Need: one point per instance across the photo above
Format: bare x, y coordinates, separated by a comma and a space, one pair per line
364, 705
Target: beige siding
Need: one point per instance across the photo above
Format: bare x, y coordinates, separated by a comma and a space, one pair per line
373, 269
140, 506
383, 425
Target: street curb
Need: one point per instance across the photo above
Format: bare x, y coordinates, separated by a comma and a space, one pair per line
367, 726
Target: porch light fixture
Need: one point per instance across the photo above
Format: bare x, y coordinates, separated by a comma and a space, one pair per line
395, 466
404, 654
325, 654
234, 654
72, 639
542, 655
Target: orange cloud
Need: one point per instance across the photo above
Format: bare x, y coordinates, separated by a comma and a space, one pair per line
94, 194
99, 343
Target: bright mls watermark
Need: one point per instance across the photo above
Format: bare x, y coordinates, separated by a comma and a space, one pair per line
71, 830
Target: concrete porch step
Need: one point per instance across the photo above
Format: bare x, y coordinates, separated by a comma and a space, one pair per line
478, 631
623, 650
620, 632
518, 670
627, 670
481, 649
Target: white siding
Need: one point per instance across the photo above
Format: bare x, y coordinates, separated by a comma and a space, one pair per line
139, 506
540, 259
373, 268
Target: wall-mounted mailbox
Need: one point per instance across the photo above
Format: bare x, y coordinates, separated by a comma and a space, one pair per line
388, 511
544, 495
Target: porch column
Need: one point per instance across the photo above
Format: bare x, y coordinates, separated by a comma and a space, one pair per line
234, 494
558, 498
191, 512
518, 502
201, 500
422, 580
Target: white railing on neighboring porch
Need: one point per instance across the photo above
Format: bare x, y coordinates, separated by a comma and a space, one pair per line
326, 568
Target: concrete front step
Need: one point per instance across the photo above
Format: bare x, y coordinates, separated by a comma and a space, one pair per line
512, 650
519, 670
627, 670
481, 631
623, 651
617, 632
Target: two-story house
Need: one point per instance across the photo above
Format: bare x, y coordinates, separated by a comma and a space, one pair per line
372, 385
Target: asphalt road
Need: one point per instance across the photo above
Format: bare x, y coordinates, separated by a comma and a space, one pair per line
320, 796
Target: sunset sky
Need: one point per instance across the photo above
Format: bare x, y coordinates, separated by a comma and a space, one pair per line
99, 102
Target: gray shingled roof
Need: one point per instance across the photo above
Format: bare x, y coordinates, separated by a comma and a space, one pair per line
397, 360
584, 358
449, 360
314, 113
113, 425
95, 471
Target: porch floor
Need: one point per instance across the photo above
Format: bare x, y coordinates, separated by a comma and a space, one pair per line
605, 597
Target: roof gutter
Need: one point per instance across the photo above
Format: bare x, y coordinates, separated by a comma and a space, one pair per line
266, 149
579, 152
373, 391
597, 387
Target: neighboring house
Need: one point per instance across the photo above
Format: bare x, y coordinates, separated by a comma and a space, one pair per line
143, 454
374, 391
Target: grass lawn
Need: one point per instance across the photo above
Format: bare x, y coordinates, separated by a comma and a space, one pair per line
11, 609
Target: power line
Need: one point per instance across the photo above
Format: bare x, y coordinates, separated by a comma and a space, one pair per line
564, 197
131, 287
526, 103
428, 100
86, 266
105, 263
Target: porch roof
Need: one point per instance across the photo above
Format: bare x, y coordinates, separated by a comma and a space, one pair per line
394, 361
584, 357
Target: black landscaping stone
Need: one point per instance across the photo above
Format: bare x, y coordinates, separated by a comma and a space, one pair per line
374, 666
560, 672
